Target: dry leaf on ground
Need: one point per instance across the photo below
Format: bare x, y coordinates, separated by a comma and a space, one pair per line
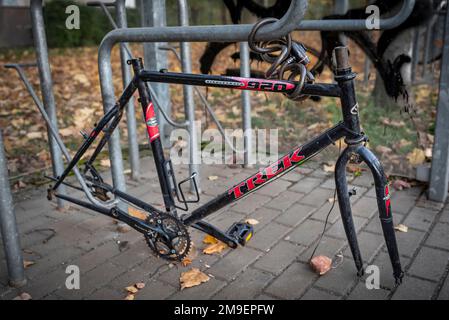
186, 261
417, 156
321, 264
105, 163
137, 213
130, 297
329, 168
215, 248
401, 184
28, 263
208, 239
252, 222
401, 227
23, 296
140, 285
132, 289
192, 278
213, 178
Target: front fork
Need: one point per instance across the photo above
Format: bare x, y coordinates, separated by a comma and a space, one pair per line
383, 203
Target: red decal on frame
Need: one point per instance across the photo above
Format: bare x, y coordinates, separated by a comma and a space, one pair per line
151, 122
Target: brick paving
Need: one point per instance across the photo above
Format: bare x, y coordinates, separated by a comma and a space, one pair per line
291, 214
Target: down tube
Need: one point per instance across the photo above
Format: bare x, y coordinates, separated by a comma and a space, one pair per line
285, 164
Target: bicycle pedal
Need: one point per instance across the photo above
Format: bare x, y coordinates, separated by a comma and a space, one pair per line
241, 231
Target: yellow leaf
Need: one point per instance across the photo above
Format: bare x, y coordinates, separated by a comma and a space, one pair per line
137, 213
215, 248
105, 163
27, 263
416, 157
329, 168
252, 222
35, 135
401, 228
131, 289
208, 239
129, 297
192, 278
213, 178
186, 261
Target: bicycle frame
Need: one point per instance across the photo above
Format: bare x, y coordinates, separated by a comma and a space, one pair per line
348, 128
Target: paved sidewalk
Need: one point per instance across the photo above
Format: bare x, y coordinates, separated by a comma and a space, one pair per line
291, 212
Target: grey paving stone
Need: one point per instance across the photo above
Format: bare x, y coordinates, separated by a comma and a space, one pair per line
369, 245
414, 289
225, 219
98, 256
317, 197
294, 175
444, 216
402, 202
279, 257
91, 281
365, 207
375, 226
249, 204
46, 284
328, 184
246, 286
136, 253
307, 232
360, 292
365, 180
444, 292
268, 236
439, 236
409, 242
371, 193
337, 229
295, 214
107, 293
339, 280
284, 200
319, 294
235, 262
132, 276
329, 247
204, 291
156, 290
265, 297
420, 218
274, 188
386, 271
264, 216
323, 211
429, 263
293, 282
306, 185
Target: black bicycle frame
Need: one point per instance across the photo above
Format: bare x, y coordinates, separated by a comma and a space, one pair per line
348, 128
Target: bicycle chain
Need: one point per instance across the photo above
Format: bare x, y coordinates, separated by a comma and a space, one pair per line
288, 59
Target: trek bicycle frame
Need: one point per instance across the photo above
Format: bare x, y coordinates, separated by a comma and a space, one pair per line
348, 128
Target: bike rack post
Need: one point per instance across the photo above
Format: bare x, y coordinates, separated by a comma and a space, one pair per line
246, 105
46, 83
439, 176
154, 15
120, 11
189, 103
8, 226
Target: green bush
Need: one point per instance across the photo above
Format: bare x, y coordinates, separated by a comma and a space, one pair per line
93, 25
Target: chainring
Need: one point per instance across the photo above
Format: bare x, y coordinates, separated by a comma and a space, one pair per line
174, 242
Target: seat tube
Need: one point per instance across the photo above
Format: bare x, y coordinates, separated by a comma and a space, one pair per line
152, 127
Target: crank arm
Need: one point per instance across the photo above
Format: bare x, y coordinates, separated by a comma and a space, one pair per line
216, 233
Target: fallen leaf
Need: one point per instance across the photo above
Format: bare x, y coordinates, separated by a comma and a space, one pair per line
192, 278
321, 264
383, 149
186, 261
215, 248
252, 222
401, 184
23, 296
140, 285
416, 157
129, 297
35, 135
329, 168
137, 213
105, 163
400, 227
208, 239
132, 289
28, 263
331, 200
212, 178
428, 153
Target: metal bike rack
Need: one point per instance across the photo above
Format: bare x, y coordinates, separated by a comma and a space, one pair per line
180, 34
358, 24
8, 226
245, 71
439, 177
46, 83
